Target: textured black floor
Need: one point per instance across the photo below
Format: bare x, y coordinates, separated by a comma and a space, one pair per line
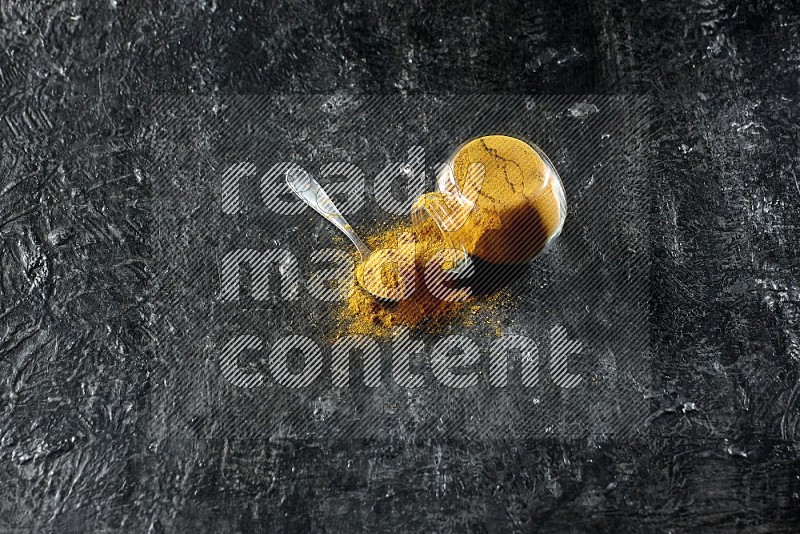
78, 449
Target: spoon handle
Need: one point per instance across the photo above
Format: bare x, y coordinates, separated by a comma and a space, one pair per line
309, 191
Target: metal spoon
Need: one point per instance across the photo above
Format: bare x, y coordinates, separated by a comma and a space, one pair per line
309, 191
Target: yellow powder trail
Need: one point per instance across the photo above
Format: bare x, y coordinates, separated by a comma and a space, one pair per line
364, 314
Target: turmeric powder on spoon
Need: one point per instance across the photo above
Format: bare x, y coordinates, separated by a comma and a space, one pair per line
405, 281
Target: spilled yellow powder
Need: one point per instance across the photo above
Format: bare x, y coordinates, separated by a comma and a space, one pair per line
389, 280
364, 314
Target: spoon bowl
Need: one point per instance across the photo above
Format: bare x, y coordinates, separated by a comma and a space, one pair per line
310, 191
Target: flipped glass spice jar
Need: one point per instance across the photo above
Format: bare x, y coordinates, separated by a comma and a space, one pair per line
499, 199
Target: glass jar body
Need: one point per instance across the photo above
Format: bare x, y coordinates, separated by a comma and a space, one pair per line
499, 199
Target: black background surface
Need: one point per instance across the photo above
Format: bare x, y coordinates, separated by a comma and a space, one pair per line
593, 282
78, 450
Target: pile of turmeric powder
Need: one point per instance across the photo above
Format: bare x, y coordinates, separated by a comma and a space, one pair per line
406, 291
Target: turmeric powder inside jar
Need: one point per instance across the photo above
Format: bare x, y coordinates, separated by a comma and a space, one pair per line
510, 213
